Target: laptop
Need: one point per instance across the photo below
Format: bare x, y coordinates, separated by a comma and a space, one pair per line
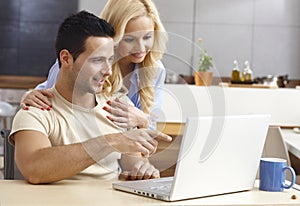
218, 155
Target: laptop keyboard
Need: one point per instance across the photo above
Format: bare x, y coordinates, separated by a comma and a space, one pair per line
161, 188
166, 187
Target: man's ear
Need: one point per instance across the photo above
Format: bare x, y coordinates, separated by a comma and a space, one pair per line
66, 58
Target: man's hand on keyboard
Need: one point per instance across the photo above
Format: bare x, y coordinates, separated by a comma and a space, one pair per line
141, 171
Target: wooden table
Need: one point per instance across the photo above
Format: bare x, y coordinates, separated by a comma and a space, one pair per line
100, 192
292, 140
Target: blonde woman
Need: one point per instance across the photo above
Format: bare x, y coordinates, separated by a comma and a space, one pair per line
140, 43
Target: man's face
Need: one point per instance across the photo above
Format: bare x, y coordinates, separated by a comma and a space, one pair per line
93, 66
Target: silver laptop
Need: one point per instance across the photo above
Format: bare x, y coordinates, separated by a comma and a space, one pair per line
218, 155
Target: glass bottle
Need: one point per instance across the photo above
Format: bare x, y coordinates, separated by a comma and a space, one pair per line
235, 75
247, 75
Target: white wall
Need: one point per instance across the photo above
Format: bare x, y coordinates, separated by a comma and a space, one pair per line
182, 101
94, 6
265, 32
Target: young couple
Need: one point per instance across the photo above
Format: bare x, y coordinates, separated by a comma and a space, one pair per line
89, 121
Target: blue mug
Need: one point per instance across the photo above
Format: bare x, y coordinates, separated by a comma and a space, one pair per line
272, 175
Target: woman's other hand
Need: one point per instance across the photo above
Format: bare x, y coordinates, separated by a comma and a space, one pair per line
125, 115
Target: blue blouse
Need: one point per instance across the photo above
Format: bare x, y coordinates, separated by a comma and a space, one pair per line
133, 93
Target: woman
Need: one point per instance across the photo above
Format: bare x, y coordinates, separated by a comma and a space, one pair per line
140, 43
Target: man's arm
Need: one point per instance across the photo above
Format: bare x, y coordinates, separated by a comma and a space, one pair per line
39, 162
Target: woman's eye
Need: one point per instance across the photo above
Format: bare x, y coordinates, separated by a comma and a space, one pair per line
147, 37
111, 60
128, 40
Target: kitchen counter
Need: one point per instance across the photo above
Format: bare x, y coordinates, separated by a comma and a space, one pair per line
20, 82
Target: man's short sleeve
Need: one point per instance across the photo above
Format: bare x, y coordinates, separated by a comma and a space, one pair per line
32, 119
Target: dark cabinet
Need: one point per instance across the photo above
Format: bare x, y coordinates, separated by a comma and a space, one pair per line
28, 30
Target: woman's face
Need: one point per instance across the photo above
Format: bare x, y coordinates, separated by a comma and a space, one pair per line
137, 40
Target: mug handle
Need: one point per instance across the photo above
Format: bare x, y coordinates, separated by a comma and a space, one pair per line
293, 177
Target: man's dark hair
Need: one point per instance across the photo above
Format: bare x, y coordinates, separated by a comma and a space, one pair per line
76, 28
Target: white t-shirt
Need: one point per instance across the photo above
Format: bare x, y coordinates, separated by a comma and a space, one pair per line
67, 123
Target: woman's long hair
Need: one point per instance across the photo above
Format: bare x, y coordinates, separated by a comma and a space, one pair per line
118, 13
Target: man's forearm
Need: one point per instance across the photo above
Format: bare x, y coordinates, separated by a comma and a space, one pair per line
52, 164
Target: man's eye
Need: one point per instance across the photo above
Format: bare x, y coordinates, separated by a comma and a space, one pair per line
97, 61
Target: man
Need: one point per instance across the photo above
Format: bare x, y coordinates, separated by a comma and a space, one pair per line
75, 135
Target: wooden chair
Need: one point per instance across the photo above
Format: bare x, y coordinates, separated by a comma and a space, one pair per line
10, 169
276, 147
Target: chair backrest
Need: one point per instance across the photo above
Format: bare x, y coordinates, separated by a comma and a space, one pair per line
10, 169
8, 156
7, 111
275, 145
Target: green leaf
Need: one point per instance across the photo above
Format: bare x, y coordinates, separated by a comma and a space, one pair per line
205, 62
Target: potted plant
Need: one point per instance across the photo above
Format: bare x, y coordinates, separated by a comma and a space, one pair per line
203, 77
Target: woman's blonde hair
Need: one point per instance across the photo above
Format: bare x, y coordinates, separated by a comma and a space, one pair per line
118, 13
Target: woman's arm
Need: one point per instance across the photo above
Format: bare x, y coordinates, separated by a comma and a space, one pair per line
51, 79
158, 96
39, 97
